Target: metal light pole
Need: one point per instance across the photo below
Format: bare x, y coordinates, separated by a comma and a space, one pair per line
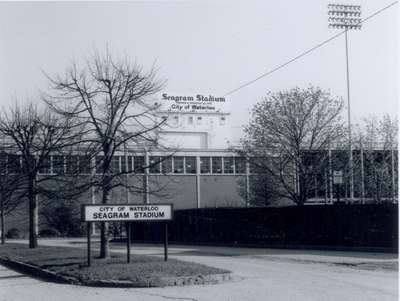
127, 168
346, 17
127, 173
93, 193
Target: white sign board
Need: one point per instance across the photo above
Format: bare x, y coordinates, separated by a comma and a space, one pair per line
337, 177
195, 103
122, 212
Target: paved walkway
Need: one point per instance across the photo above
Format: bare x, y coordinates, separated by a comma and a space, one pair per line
260, 274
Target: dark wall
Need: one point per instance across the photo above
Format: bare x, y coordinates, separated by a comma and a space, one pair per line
330, 226
220, 191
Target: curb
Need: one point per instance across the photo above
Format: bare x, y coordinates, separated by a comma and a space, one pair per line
38, 272
195, 280
161, 282
158, 282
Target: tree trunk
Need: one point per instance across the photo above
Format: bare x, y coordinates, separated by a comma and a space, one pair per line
302, 194
33, 215
104, 243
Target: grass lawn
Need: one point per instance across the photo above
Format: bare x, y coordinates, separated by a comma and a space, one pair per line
73, 262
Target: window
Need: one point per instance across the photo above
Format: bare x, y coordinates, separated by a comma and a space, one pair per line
58, 165
155, 165
199, 120
228, 165
14, 164
115, 164
190, 164
176, 120
217, 164
240, 165
99, 164
257, 165
190, 120
45, 167
130, 163
84, 165
166, 165
3, 163
178, 165
205, 164
72, 165
222, 120
138, 164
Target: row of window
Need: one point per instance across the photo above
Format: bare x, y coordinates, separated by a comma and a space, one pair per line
187, 165
191, 120
134, 164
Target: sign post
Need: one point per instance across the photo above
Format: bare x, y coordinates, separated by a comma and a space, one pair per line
165, 241
128, 242
88, 229
128, 213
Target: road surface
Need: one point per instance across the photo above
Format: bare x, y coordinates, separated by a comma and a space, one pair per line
259, 274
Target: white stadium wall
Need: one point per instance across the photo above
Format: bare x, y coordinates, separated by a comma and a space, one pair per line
194, 121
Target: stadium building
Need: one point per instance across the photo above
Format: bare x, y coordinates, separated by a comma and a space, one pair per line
196, 166
201, 171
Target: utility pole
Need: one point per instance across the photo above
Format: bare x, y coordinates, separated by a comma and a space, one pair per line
346, 17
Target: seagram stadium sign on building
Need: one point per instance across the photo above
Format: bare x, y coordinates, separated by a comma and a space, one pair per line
197, 103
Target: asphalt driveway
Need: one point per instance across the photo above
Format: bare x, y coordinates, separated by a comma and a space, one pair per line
259, 274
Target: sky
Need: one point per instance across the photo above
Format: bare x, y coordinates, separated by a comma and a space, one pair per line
209, 47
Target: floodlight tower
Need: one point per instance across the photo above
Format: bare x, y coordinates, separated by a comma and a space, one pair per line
346, 17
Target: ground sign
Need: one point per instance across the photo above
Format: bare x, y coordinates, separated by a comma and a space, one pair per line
113, 213
127, 213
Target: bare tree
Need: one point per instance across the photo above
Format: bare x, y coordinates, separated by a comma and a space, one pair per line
34, 135
288, 137
262, 190
111, 98
378, 141
9, 184
62, 218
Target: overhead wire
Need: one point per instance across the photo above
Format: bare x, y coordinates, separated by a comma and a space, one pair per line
306, 52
